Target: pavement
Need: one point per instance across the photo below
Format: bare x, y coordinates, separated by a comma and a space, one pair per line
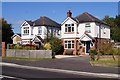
70, 63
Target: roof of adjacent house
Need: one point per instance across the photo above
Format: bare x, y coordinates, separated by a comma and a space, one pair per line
86, 17
43, 21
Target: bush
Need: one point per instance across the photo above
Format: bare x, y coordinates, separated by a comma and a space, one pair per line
47, 46
92, 53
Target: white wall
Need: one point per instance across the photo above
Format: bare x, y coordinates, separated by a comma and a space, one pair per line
81, 29
68, 35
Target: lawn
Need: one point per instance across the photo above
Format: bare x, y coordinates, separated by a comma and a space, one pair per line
107, 61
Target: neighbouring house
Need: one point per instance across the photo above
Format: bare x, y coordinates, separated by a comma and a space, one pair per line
16, 38
83, 32
34, 32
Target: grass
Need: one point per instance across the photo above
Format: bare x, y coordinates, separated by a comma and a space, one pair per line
21, 58
106, 61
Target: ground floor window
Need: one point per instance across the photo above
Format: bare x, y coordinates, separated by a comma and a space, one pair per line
69, 44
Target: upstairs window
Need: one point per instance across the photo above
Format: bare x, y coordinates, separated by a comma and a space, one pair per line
39, 30
87, 28
26, 30
69, 27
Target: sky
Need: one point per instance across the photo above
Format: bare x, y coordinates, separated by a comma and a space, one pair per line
16, 12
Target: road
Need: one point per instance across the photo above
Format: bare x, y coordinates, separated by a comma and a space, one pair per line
21, 73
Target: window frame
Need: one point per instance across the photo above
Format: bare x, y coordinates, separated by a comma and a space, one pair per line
88, 27
69, 28
26, 30
69, 44
40, 30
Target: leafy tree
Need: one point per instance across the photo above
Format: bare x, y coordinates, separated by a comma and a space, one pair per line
114, 26
7, 31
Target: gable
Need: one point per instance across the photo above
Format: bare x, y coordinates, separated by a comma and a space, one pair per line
25, 23
15, 35
86, 37
68, 19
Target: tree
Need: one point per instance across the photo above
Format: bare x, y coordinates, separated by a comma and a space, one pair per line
114, 26
7, 32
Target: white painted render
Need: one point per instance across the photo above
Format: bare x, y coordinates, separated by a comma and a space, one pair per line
33, 30
79, 30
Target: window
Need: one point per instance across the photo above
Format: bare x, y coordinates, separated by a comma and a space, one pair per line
39, 30
87, 28
69, 44
26, 30
69, 27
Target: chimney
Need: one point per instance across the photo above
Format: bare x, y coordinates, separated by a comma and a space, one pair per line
69, 14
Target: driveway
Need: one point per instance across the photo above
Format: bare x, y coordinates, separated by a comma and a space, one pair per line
75, 63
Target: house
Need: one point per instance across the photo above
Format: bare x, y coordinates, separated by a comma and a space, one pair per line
16, 38
83, 32
34, 32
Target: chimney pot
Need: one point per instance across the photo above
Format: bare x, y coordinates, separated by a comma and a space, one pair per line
69, 14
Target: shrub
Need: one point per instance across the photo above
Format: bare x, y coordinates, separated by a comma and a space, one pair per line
92, 53
47, 46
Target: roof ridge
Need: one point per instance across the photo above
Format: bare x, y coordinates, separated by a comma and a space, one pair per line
88, 15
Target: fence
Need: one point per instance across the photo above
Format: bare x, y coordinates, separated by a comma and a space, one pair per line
29, 53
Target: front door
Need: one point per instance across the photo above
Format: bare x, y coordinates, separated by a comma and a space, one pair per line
87, 46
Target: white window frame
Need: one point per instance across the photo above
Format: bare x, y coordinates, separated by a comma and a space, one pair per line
88, 27
67, 26
67, 43
26, 30
39, 30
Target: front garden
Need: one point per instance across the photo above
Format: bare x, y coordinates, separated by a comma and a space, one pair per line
107, 55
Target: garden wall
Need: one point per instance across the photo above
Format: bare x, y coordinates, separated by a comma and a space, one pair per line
29, 53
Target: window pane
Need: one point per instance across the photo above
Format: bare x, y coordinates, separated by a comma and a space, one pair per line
65, 24
65, 45
69, 29
72, 24
65, 41
65, 29
69, 45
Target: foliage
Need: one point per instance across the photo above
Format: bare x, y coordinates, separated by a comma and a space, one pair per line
92, 53
7, 32
22, 47
47, 46
56, 45
114, 26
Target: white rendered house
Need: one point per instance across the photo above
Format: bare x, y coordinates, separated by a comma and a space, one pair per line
34, 32
83, 32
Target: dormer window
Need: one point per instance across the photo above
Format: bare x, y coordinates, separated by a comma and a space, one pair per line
87, 28
69, 27
26, 30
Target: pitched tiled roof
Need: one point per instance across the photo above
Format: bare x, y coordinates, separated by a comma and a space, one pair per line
45, 21
86, 17
29, 22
